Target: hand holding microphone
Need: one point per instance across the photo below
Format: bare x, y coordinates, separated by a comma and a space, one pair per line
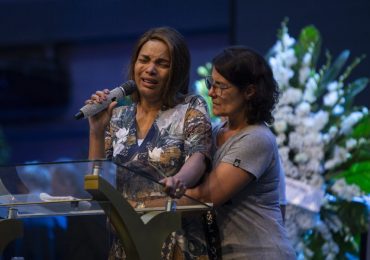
116, 94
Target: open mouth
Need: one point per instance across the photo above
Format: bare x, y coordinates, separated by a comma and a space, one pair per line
149, 81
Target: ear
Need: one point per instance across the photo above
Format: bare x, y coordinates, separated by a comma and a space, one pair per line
249, 91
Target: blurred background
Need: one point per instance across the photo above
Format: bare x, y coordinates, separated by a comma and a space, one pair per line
54, 54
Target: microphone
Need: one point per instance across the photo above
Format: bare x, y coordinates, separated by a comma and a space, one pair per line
116, 94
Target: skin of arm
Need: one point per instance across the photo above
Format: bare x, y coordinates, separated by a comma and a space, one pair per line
220, 185
188, 176
98, 124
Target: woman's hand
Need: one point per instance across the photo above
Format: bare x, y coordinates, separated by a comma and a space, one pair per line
173, 186
99, 122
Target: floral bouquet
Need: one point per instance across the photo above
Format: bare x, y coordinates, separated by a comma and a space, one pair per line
324, 145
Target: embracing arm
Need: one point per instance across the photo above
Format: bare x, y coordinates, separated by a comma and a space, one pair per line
198, 135
188, 176
221, 184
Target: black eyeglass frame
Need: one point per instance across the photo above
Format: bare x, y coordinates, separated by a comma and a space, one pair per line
218, 87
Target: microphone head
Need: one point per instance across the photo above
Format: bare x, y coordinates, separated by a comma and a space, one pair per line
128, 87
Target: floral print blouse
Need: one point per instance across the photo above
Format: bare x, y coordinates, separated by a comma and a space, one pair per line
175, 135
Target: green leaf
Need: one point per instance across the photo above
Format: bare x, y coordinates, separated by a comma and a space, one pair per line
332, 73
358, 174
349, 231
350, 210
314, 241
362, 128
309, 36
354, 89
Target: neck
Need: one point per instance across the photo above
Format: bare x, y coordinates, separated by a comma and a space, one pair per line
236, 123
149, 107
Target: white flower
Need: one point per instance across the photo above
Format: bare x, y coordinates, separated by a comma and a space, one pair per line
301, 158
348, 122
351, 143
310, 90
281, 73
338, 109
326, 138
307, 58
330, 164
278, 47
347, 192
155, 154
291, 96
333, 130
308, 145
340, 156
280, 139
280, 126
304, 72
334, 85
308, 122
303, 109
287, 40
321, 118
331, 98
289, 57
362, 141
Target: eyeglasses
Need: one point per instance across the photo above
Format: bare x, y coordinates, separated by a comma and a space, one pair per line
217, 86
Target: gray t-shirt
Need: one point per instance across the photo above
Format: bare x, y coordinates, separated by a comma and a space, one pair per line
251, 225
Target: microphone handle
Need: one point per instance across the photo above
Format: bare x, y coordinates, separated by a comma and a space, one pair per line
92, 109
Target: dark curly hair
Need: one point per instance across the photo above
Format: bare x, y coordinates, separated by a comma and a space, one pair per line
244, 67
178, 81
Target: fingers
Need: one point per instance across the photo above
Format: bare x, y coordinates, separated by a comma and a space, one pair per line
98, 97
179, 192
111, 106
174, 187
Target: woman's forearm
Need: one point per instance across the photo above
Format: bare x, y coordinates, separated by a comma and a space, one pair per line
96, 146
193, 169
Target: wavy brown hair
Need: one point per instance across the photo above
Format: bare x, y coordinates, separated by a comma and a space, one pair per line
178, 81
243, 67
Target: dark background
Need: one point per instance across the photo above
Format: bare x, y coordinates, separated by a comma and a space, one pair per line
54, 54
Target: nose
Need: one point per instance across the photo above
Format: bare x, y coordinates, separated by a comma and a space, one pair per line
212, 92
151, 69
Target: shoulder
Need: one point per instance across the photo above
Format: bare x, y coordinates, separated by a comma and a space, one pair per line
257, 137
195, 100
197, 104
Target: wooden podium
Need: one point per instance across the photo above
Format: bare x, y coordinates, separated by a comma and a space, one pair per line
142, 231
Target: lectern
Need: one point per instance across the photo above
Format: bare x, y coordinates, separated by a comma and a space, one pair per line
76, 188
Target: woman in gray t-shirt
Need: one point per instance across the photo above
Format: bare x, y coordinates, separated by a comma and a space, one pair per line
244, 182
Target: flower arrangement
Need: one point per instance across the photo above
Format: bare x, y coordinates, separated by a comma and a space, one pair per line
324, 145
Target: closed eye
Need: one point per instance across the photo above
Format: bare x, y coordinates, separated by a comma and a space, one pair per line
163, 63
